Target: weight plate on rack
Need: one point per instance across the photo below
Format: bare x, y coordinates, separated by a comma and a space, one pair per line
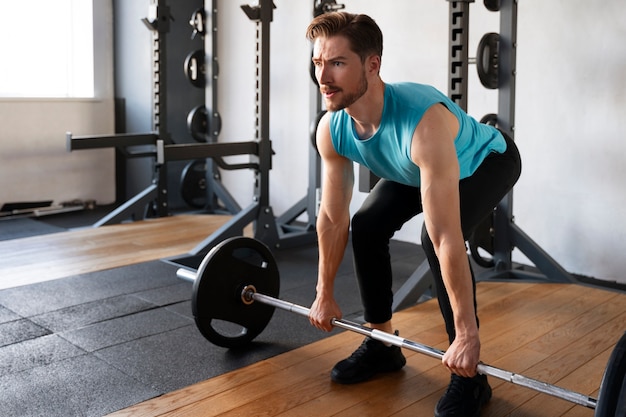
195, 69
487, 60
193, 184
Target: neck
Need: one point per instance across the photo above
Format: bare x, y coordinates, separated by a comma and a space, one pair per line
367, 111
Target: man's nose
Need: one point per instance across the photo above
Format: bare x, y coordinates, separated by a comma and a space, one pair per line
323, 75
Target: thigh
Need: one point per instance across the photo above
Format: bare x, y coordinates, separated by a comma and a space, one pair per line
482, 192
392, 202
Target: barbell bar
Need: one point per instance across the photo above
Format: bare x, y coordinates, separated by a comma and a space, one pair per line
249, 293
238, 282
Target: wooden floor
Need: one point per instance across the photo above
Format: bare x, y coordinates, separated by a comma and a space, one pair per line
559, 333
41, 258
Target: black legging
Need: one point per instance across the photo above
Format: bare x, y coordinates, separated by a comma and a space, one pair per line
389, 205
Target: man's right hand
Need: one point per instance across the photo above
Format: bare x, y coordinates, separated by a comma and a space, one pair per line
323, 310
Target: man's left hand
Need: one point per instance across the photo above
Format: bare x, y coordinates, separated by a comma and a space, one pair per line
462, 356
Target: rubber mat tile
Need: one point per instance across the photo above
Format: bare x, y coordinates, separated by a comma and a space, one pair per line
123, 329
81, 315
172, 294
54, 295
7, 315
20, 330
81, 386
35, 352
181, 357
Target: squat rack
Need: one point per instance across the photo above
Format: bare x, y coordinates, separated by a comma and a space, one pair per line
507, 235
501, 232
276, 232
152, 201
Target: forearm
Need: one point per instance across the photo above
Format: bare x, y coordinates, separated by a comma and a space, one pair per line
457, 279
332, 241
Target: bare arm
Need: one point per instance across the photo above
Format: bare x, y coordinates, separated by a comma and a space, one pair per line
333, 222
434, 152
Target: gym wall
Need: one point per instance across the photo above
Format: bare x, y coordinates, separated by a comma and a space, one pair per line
34, 162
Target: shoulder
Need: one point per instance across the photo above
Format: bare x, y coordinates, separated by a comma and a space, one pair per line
323, 137
433, 138
436, 117
412, 98
411, 90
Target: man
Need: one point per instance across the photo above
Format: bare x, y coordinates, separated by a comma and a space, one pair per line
432, 158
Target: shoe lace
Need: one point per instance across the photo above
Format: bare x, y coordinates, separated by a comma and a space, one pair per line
456, 387
362, 350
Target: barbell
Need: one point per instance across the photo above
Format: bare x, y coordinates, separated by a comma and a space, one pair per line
235, 292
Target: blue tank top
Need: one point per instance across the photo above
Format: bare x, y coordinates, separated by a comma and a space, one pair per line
388, 152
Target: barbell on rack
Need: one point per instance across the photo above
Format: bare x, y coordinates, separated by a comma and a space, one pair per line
235, 294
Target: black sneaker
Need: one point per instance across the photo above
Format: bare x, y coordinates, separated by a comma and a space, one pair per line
370, 358
464, 397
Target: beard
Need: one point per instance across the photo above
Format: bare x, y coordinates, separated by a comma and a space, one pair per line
348, 98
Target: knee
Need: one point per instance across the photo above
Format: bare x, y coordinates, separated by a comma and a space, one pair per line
370, 226
363, 222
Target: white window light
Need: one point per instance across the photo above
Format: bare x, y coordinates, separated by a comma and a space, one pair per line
46, 48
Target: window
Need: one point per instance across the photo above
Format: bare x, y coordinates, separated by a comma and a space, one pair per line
46, 48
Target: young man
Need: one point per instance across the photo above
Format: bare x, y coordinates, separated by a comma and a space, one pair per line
432, 158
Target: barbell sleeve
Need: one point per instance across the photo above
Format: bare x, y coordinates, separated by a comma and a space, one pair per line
186, 274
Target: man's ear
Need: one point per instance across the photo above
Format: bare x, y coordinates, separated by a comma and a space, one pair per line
373, 64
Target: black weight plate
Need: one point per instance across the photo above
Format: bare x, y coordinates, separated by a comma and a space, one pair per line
195, 69
193, 184
482, 238
487, 60
612, 397
201, 127
490, 119
197, 22
198, 123
219, 311
492, 5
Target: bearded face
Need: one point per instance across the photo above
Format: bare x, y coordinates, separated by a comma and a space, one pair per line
337, 98
339, 71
